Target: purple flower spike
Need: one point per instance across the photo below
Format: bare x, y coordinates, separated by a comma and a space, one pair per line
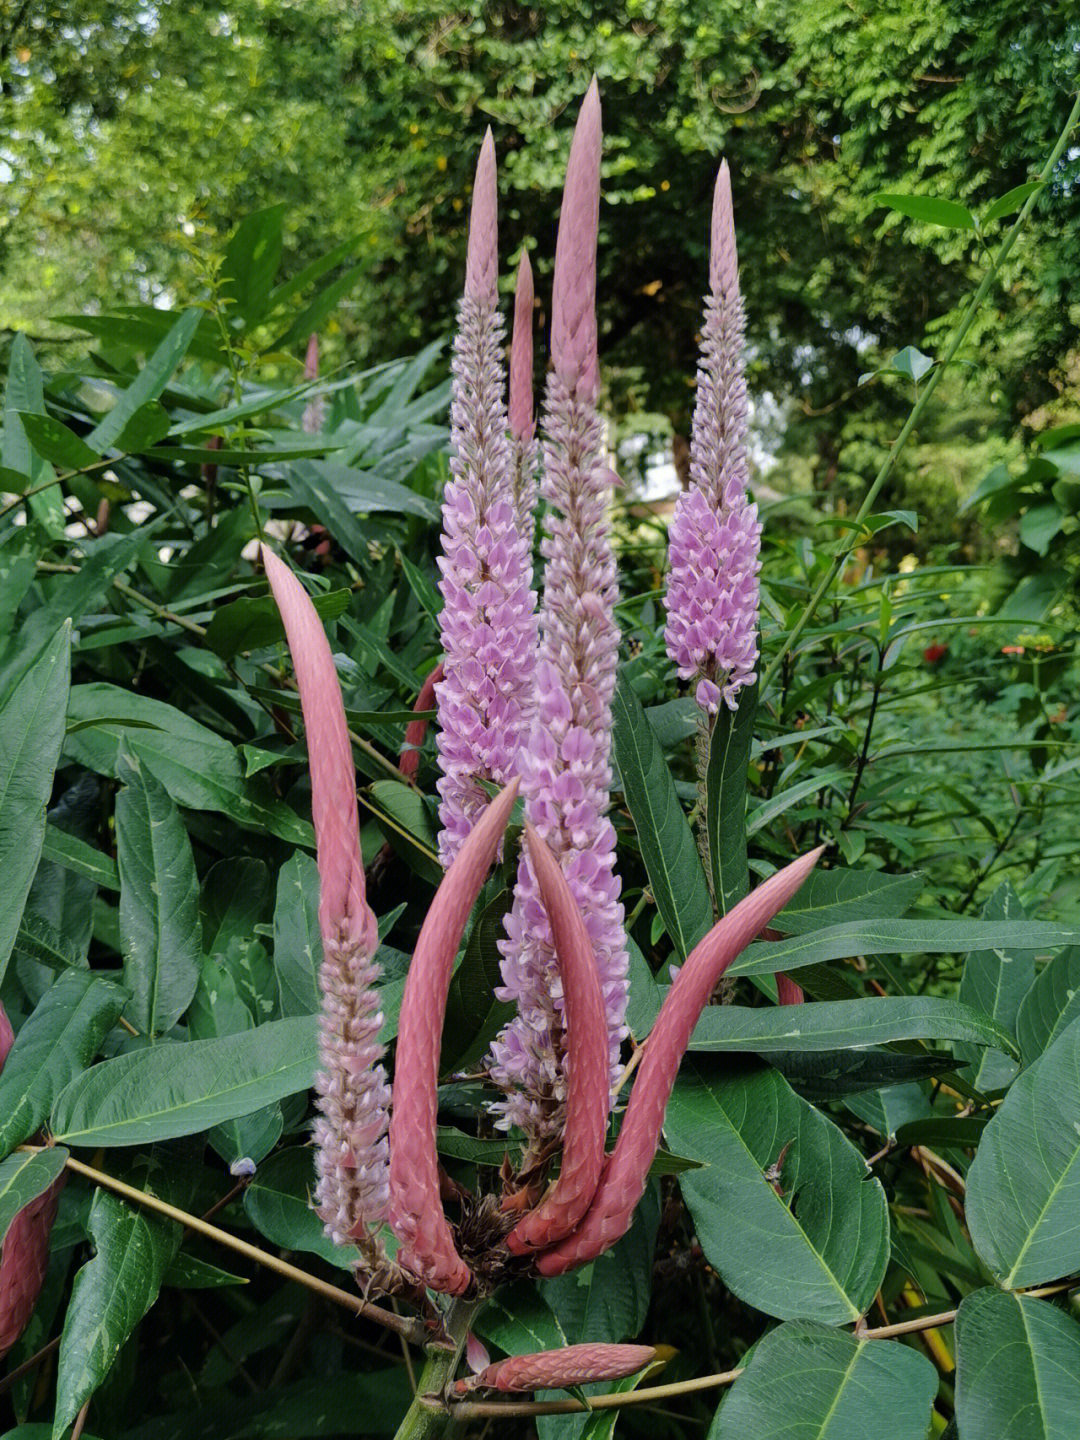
488, 620
715, 535
565, 767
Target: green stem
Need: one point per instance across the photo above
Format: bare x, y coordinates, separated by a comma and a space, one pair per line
961, 333
428, 1416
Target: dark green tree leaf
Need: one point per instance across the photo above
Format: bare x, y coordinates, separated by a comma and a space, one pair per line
995, 982
930, 211
1052, 1003
725, 799
23, 1177
297, 941
278, 1203
148, 384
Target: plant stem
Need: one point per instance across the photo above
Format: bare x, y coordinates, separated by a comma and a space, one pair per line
960, 334
429, 1416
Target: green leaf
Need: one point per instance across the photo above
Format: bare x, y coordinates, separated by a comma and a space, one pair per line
188, 1272
249, 624
198, 768
818, 1251
804, 1382
159, 900
82, 859
667, 844
277, 1203
1039, 524
46, 945
995, 982
24, 393
930, 211
183, 1089
251, 262
404, 818
646, 996
314, 492
1017, 1368
149, 383
1023, 1193
914, 364
832, 897
765, 813
142, 430
1012, 200
1052, 1003
842, 1024
56, 1043
886, 937
31, 734
363, 492
297, 940
111, 1294
835, 1074
473, 1016
725, 799
23, 1177
56, 443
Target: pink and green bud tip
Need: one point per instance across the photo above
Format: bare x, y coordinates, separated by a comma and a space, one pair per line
560, 1369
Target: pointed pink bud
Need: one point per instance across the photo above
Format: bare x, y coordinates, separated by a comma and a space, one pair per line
788, 992
7, 1036
482, 258
623, 1184
522, 426
416, 1213
476, 1354
723, 257
573, 299
561, 1369
343, 911
311, 361
588, 1085
409, 760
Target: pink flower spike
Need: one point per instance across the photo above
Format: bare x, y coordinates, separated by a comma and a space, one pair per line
623, 1183
560, 1369
416, 1215
409, 759
342, 906
522, 426
311, 360
586, 1063
573, 300
723, 254
482, 258
314, 416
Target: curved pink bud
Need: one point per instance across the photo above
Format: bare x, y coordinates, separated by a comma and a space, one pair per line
24, 1257
343, 910
623, 1183
409, 759
522, 425
560, 1369
311, 359
788, 992
588, 1084
482, 256
416, 1213
573, 296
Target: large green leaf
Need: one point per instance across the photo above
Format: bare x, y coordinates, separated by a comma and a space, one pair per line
843, 1024
159, 900
995, 981
1017, 1369
278, 1204
148, 384
59, 1039
725, 799
887, 937
824, 1075
31, 733
80, 858
819, 1250
1023, 1194
297, 941
24, 391
181, 1089
198, 768
667, 843
804, 1382
23, 1177
251, 262
1052, 1003
834, 897
111, 1294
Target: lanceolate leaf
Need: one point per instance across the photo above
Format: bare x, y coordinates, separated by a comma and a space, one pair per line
56, 1042
996, 981
1023, 1195
297, 942
824, 1075
149, 383
23, 1177
111, 1294
842, 1024
886, 937
834, 897
1017, 1368
1052, 1003
818, 1250
725, 799
181, 1089
278, 1204
667, 844
31, 733
804, 1382
159, 900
